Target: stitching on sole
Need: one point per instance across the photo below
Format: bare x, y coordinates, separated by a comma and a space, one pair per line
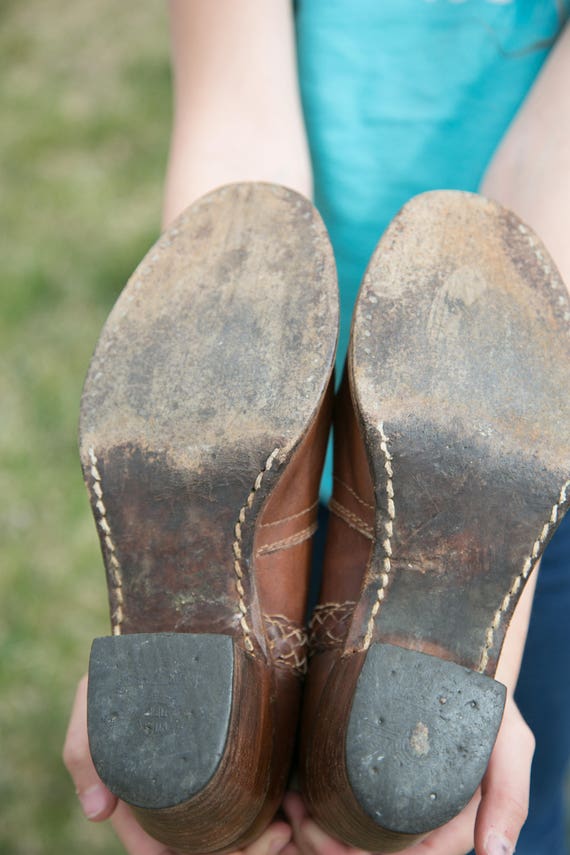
387, 542
528, 566
103, 523
238, 552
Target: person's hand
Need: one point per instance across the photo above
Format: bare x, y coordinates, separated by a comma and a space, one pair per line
491, 821
99, 804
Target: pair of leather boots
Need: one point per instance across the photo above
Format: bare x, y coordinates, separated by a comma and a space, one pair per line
204, 423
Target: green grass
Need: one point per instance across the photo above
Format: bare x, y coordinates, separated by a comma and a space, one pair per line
85, 105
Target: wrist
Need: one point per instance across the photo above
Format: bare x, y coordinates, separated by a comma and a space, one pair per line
199, 162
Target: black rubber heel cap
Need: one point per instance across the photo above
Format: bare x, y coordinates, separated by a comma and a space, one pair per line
420, 734
158, 714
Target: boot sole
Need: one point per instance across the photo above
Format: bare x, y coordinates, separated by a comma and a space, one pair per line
460, 371
206, 378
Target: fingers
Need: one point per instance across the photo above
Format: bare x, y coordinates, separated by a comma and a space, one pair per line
505, 787
98, 803
95, 799
309, 837
294, 808
137, 842
272, 842
492, 820
455, 838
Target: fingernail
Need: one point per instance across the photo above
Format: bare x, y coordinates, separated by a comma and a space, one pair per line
93, 801
498, 845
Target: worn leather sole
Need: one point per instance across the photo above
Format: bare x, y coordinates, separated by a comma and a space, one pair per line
459, 371
206, 385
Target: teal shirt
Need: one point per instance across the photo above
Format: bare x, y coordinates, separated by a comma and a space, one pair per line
403, 96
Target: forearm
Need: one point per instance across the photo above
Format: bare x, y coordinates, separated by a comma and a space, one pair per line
237, 111
530, 172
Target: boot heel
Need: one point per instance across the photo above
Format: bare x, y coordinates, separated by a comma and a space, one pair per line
207, 396
401, 740
163, 733
419, 737
452, 475
159, 711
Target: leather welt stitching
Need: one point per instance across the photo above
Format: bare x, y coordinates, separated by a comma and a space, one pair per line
237, 549
546, 268
103, 523
351, 519
292, 517
522, 576
288, 542
532, 559
387, 542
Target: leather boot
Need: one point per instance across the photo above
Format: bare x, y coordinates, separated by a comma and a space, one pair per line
452, 468
204, 422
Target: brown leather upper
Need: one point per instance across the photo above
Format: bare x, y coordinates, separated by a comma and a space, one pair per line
283, 545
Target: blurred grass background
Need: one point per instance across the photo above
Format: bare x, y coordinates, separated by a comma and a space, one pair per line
85, 119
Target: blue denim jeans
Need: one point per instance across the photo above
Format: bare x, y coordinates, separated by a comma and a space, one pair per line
543, 691
543, 696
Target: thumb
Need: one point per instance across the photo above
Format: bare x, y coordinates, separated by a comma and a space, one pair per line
95, 799
505, 787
